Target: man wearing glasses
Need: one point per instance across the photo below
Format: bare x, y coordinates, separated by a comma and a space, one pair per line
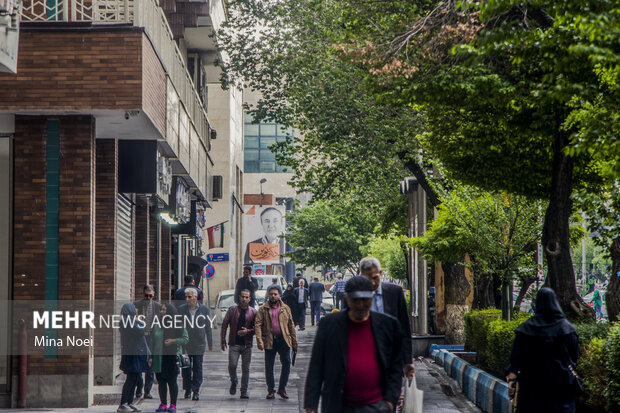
147, 307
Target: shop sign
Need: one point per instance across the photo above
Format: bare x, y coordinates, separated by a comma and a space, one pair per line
181, 205
9, 34
164, 176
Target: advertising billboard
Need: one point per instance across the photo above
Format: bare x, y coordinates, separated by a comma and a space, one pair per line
263, 228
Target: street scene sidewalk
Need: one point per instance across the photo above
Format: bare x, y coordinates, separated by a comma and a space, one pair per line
440, 392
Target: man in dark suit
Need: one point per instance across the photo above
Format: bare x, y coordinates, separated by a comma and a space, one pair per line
147, 308
316, 289
179, 295
197, 321
390, 299
299, 277
356, 364
300, 298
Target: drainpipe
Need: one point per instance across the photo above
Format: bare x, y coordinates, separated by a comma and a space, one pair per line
23, 363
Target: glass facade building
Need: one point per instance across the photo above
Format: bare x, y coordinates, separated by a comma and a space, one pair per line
258, 138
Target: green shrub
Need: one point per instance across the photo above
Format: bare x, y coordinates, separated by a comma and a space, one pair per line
612, 348
588, 330
476, 327
500, 337
591, 368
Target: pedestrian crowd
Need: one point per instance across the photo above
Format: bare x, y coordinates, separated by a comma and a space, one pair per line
359, 358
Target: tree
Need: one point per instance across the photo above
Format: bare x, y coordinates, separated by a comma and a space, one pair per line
329, 234
389, 251
498, 231
499, 84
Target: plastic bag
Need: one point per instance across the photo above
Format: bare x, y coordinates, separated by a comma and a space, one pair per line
414, 398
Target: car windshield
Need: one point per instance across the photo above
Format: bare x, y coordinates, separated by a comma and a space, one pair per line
227, 301
263, 283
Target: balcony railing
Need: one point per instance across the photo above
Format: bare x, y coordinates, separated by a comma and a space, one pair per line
141, 13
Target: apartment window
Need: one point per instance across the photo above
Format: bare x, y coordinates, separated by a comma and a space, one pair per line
258, 139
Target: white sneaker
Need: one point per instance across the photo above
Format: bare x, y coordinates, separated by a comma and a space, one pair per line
134, 408
123, 408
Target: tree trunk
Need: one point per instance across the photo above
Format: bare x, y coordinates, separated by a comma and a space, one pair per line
613, 289
525, 285
555, 238
457, 290
484, 296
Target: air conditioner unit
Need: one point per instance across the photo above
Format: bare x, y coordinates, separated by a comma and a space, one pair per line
218, 186
213, 134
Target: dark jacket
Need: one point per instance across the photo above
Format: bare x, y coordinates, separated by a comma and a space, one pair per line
316, 291
179, 295
200, 333
231, 318
328, 365
394, 304
245, 284
134, 350
295, 297
142, 311
544, 346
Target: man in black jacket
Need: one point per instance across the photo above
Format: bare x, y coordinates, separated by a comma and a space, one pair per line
390, 299
247, 282
357, 360
197, 321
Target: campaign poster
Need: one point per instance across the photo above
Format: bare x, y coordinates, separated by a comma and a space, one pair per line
263, 231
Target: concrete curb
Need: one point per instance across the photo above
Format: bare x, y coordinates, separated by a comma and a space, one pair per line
486, 391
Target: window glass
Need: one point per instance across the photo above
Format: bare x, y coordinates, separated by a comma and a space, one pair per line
251, 154
251, 129
267, 142
266, 166
251, 141
268, 129
267, 155
251, 166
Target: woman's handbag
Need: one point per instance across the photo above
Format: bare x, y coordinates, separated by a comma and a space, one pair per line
183, 361
414, 398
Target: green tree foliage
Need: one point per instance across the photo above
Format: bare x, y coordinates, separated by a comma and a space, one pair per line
389, 251
329, 234
498, 231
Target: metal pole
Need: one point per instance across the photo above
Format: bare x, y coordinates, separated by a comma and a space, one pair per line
422, 276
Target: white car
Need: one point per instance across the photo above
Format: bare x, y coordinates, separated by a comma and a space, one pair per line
224, 300
265, 281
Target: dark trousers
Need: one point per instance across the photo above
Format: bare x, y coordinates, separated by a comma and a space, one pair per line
280, 347
147, 382
165, 384
301, 315
315, 311
129, 388
339, 300
378, 407
192, 376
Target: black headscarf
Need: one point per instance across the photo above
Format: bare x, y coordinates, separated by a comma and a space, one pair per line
172, 314
549, 319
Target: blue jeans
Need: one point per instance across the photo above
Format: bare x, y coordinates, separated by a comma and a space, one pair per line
192, 376
280, 347
315, 311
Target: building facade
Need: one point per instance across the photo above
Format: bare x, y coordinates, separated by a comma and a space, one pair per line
107, 164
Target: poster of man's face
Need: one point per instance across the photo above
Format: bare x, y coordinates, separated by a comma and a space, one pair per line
263, 227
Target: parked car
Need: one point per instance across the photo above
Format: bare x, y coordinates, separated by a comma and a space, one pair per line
265, 281
327, 305
224, 300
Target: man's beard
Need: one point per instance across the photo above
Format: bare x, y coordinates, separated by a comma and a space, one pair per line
273, 302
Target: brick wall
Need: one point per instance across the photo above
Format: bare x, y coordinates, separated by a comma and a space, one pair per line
76, 219
64, 70
165, 262
153, 87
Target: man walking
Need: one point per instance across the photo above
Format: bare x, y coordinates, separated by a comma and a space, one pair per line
179, 295
338, 291
316, 298
356, 363
247, 282
275, 333
301, 297
299, 277
198, 325
389, 299
240, 318
147, 308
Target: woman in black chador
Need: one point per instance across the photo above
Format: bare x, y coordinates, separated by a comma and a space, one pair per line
545, 350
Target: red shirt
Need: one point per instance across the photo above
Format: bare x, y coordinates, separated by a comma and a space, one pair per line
363, 382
